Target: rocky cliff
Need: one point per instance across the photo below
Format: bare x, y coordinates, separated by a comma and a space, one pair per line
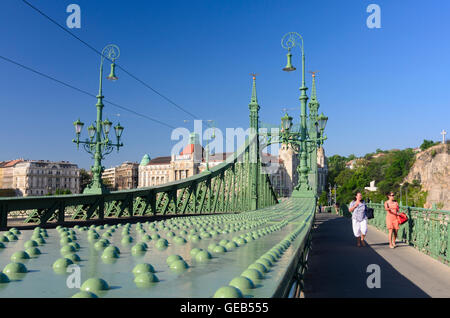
431, 168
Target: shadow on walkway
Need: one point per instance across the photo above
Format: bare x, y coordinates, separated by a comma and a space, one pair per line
337, 267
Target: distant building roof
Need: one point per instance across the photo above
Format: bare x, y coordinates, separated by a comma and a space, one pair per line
11, 163
160, 160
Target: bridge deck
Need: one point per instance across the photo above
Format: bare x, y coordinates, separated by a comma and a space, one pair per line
200, 280
337, 267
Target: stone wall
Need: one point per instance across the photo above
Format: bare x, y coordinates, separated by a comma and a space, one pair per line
432, 169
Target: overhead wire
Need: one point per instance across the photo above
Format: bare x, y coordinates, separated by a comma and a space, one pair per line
83, 91
117, 65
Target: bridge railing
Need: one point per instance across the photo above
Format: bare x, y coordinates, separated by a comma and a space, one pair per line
428, 230
225, 188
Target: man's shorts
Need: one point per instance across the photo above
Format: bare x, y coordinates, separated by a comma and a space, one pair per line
359, 227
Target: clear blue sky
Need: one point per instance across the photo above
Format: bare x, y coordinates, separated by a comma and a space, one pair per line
381, 88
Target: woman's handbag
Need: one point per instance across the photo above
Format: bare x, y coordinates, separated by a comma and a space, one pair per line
402, 218
369, 213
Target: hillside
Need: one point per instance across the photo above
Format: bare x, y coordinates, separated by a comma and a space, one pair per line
431, 169
423, 177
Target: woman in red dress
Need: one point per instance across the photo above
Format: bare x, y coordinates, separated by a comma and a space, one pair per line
391, 207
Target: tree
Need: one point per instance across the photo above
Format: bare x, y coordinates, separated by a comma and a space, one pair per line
427, 144
85, 179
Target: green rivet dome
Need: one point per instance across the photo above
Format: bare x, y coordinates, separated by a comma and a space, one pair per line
14, 268
269, 257
109, 253
2, 245
67, 249
194, 251
212, 246
161, 243
33, 251
242, 283
40, 240
4, 238
219, 249
223, 242
259, 267
75, 245
19, 256
194, 238
144, 280
178, 265
3, 278
85, 294
143, 268
179, 240
14, 230
146, 238
252, 274
60, 265
202, 256
139, 248
145, 160
112, 248
230, 245
173, 258
94, 285
228, 292
31, 243
155, 236
65, 240
73, 257
126, 240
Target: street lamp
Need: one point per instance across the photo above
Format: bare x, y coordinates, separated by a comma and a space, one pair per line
210, 138
99, 145
305, 143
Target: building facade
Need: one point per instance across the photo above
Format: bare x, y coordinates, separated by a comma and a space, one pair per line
282, 169
122, 177
161, 170
39, 177
322, 169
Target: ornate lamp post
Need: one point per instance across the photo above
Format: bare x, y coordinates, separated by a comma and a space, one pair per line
300, 140
99, 145
209, 140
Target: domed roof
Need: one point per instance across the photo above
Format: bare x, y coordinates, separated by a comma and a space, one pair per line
145, 160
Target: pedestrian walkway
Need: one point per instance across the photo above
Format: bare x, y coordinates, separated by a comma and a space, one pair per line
338, 268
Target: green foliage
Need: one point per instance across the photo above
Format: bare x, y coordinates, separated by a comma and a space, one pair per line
427, 144
85, 179
387, 171
323, 199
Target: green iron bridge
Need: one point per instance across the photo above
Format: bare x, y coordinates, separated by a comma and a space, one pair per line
221, 233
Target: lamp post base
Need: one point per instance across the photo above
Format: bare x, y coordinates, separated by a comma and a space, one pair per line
96, 190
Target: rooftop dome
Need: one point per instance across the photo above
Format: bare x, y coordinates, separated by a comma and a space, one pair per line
145, 160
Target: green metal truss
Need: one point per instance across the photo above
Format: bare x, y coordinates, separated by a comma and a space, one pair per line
223, 189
